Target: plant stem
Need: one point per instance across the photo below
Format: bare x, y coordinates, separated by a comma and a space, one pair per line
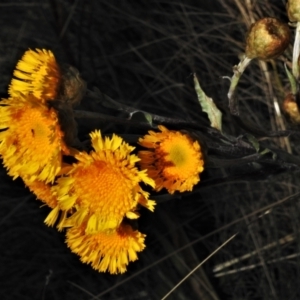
237, 73
296, 52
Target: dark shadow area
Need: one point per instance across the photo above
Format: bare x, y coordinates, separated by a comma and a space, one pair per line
143, 54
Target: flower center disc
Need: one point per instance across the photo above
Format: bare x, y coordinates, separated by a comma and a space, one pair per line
104, 189
35, 134
178, 157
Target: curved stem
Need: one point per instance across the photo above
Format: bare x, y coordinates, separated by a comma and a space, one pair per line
296, 52
237, 73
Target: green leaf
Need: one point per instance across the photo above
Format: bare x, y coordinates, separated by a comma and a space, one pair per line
208, 106
292, 80
141, 116
254, 142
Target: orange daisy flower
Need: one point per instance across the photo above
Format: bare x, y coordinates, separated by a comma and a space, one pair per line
106, 251
174, 160
31, 141
103, 187
37, 73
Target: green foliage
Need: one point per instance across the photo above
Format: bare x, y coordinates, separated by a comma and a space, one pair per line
208, 106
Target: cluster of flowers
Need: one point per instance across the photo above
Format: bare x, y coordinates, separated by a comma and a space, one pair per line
94, 197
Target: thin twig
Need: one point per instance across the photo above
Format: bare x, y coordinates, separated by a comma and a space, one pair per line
287, 239
253, 266
263, 263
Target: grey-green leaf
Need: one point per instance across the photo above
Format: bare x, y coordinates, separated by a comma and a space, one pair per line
208, 106
292, 80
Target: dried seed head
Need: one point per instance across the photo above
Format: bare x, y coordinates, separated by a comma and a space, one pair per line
73, 87
293, 10
71, 90
290, 107
267, 38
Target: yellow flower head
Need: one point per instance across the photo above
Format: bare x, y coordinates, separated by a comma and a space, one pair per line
103, 186
31, 143
36, 73
173, 160
106, 251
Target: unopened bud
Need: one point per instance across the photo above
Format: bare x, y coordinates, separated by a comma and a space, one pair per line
290, 107
267, 38
73, 87
293, 10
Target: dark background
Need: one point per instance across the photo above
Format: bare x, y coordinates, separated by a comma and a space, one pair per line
142, 53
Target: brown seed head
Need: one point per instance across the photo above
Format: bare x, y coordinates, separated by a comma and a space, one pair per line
73, 87
293, 10
267, 38
290, 107
71, 90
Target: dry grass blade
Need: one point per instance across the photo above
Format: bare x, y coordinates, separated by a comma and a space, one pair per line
287, 239
221, 229
204, 261
253, 266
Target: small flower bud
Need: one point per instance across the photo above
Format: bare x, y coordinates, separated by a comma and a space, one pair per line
267, 38
293, 10
73, 87
291, 108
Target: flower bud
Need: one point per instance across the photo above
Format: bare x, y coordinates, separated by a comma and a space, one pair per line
290, 107
293, 10
73, 87
267, 38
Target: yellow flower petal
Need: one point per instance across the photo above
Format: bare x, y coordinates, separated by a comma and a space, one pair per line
37, 73
106, 251
103, 186
173, 160
31, 144
43, 192
132, 215
52, 217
